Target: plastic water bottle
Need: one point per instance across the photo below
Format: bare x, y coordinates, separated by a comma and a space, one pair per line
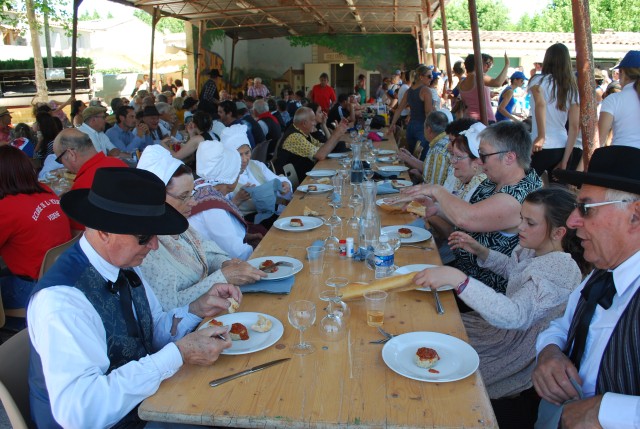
384, 258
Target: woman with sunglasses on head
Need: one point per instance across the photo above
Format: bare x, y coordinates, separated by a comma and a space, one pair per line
469, 92
185, 266
31, 223
542, 271
554, 101
492, 215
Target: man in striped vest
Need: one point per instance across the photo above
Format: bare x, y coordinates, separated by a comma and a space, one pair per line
589, 360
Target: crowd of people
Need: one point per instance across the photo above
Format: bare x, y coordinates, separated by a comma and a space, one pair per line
545, 278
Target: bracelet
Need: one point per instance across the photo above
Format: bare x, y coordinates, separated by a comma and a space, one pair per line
461, 287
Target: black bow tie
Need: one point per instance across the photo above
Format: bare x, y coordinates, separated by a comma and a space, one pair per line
124, 277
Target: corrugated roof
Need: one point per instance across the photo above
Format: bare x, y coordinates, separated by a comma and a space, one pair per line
607, 38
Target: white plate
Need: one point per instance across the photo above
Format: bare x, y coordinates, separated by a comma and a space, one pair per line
308, 223
458, 359
418, 234
321, 173
386, 152
393, 168
417, 268
385, 159
321, 188
283, 272
402, 183
338, 155
257, 340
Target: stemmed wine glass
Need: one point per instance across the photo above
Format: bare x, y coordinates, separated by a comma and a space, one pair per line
394, 240
332, 242
332, 326
339, 308
355, 201
302, 314
368, 173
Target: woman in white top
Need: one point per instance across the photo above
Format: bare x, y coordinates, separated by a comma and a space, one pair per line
621, 111
554, 100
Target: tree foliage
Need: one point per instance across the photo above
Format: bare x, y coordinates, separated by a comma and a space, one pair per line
59, 11
374, 51
493, 15
617, 15
166, 25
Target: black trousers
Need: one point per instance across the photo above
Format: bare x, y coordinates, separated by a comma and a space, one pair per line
520, 412
546, 159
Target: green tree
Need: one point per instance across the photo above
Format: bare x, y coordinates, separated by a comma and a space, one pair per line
493, 15
374, 51
604, 14
170, 25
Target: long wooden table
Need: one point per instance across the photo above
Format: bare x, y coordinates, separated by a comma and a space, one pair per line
344, 383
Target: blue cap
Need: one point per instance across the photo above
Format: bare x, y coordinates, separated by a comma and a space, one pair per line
631, 60
518, 75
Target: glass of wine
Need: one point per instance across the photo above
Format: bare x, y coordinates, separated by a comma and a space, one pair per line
302, 315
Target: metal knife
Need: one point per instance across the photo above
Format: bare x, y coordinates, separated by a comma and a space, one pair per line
219, 381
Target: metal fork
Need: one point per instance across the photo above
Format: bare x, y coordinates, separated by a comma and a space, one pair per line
385, 333
305, 194
417, 246
439, 308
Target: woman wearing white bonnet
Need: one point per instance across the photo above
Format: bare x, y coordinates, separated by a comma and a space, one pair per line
187, 265
214, 216
252, 173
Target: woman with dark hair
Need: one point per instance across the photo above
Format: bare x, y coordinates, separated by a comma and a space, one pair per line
47, 128
198, 130
31, 223
469, 92
554, 100
620, 112
542, 271
76, 112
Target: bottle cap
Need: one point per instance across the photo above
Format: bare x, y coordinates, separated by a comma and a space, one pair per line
349, 239
343, 241
384, 239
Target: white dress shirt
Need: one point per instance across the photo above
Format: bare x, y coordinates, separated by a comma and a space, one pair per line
99, 139
68, 334
616, 411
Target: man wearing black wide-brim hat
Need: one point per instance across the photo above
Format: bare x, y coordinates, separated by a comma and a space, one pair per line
589, 359
100, 341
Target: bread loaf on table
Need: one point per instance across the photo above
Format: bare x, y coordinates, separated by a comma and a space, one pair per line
391, 208
387, 284
417, 208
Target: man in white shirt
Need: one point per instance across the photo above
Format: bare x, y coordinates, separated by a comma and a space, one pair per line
93, 126
595, 343
100, 341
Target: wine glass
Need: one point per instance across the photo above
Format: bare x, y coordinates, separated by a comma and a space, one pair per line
339, 307
355, 201
302, 314
368, 174
394, 240
353, 134
333, 325
332, 242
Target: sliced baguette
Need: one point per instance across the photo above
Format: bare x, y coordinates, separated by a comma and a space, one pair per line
417, 208
388, 284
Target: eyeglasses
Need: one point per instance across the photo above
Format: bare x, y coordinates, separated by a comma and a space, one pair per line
143, 240
185, 198
59, 157
584, 208
454, 159
483, 156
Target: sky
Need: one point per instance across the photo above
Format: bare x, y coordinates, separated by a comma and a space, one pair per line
516, 8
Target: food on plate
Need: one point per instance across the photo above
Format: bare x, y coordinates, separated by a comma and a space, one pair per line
397, 185
323, 180
233, 305
262, 325
295, 222
312, 188
417, 208
309, 212
238, 332
268, 266
214, 322
426, 357
405, 233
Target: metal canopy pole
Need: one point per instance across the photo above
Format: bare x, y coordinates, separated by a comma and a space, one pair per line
155, 17
434, 59
416, 33
233, 57
201, 30
475, 34
586, 80
445, 37
74, 46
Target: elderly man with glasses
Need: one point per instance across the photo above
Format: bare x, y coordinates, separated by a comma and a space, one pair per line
589, 359
101, 342
94, 121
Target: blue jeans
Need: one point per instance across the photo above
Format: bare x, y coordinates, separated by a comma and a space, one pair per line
415, 134
15, 291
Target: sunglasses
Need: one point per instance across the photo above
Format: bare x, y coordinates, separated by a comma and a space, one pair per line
483, 156
143, 240
585, 208
59, 157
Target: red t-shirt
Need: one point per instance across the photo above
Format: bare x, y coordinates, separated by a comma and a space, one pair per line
323, 95
84, 177
31, 224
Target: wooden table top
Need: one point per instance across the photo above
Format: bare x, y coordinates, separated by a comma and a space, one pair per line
344, 383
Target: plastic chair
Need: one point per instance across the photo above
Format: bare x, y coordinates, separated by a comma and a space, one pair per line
290, 173
14, 384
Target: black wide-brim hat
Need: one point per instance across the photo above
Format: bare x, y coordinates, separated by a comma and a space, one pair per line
613, 167
124, 201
